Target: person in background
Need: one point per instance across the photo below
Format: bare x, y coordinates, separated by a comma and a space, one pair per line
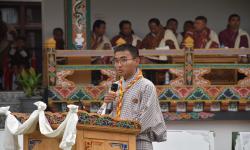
19, 54
126, 35
203, 36
19, 59
174, 38
188, 26
58, 37
233, 36
60, 44
99, 41
153, 40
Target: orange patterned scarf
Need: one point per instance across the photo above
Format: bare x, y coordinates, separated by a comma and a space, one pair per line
121, 92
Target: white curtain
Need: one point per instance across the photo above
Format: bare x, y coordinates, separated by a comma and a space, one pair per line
187, 140
67, 129
243, 141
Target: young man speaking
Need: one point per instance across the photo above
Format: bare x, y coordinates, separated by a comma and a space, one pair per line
136, 98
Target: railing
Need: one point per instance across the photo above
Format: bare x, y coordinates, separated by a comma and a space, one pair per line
189, 92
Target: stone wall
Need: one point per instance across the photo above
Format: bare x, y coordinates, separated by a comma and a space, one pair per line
10, 99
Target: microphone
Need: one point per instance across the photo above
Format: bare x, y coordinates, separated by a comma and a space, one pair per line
109, 108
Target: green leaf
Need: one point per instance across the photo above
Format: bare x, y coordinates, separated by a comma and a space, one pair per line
29, 80
32, 72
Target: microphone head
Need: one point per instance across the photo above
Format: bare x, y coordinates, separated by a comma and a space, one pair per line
114, 87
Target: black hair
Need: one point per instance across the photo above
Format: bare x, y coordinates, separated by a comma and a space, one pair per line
128, 47
232, 16
57, 29
154, 20
172, 19
189, 22
203, 18
123, 22
98, 23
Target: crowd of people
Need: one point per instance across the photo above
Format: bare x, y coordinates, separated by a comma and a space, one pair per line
168, 37
14, 56
204, 37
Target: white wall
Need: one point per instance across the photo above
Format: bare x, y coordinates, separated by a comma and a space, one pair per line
223, 130
52, 16
140, 11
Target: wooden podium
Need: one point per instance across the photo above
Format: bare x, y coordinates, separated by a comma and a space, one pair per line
105, 138
90, 137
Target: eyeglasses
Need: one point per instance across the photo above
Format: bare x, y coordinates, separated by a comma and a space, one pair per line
122, 61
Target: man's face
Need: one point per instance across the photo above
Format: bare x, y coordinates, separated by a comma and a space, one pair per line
234, 23
199, 25
101, 30
172, 25
58, 35
126, 29
188, 27
124, 63
154, 28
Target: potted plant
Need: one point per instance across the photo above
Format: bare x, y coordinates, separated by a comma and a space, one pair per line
29, 81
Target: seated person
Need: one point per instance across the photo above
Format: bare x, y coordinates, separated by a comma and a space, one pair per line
58, 37
173, 38
202, 35
188, 26
99, 41
154, 39
233, 36
127, 35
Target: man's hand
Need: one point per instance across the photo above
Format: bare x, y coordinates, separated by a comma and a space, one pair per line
110, 97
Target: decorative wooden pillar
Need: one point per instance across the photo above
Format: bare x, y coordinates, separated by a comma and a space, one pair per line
78, 24
189, 44
50, 49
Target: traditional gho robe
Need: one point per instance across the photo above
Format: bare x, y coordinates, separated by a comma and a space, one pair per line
232, 39
206, 38
133, 39
170, 36
140, 102
99, 43
103, 42
152, 41
179, 38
